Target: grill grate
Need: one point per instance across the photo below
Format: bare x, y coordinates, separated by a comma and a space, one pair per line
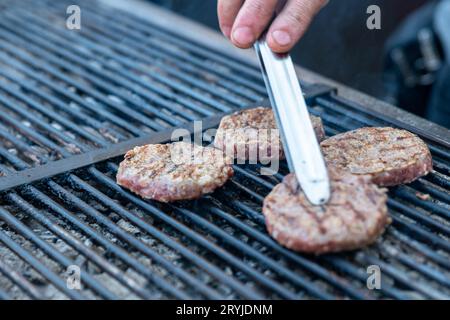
103, 84
224, 238
111, 85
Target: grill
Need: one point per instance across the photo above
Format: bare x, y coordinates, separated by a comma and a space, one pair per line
72, 102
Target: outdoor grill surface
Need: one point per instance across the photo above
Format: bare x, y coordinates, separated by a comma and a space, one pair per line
72, 102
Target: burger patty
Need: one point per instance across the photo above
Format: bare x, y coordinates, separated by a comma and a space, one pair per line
176, 171
391, 156
355, 215
252, 135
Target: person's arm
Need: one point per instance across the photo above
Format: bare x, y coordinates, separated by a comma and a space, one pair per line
243, 21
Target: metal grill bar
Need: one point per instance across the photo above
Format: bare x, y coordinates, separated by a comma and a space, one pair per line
79, 117
246, 249
58, 46
196, 259
33, 63
196, 284
98, 38
112, 78
35, 137
38, 122
144, 42
356, 272
38, 266
78, 161
119, 252
42, 64
201, 240
336, 262
75, 243
269, 186
52, 115
39, 139
167, 81
154, 232
165, 67
426, 290
59, 89
147, 27
126, 74
309, 265
20, 281
51, 252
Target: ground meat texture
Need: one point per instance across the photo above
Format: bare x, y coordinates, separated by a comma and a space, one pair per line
252, 135
176, 171
391, 156
355, 215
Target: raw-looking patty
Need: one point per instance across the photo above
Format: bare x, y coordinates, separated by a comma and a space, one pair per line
248, 135
391, 156
176, 171
355, 215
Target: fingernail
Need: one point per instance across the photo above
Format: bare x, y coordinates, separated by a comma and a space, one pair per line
243, 36
226, 31
282, 37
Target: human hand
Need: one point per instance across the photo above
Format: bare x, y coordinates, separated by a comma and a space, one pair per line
243, 21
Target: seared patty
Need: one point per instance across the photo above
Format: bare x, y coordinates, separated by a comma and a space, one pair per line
355, 215
176, 171
252, 135
391, 156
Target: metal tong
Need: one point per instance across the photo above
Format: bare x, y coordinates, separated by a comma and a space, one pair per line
300, 144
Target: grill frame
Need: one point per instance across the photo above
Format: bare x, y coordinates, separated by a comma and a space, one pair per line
222, 234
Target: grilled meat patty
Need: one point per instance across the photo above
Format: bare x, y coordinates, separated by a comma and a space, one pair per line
355, 215
391, 156
252, 135
176, 171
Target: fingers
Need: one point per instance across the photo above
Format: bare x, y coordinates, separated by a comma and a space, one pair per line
227, 11
243, 21
291, 23
251, 21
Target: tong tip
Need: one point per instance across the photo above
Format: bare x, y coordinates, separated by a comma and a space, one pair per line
318, 192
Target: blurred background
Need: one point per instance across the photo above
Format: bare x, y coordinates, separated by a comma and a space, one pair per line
339, 45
